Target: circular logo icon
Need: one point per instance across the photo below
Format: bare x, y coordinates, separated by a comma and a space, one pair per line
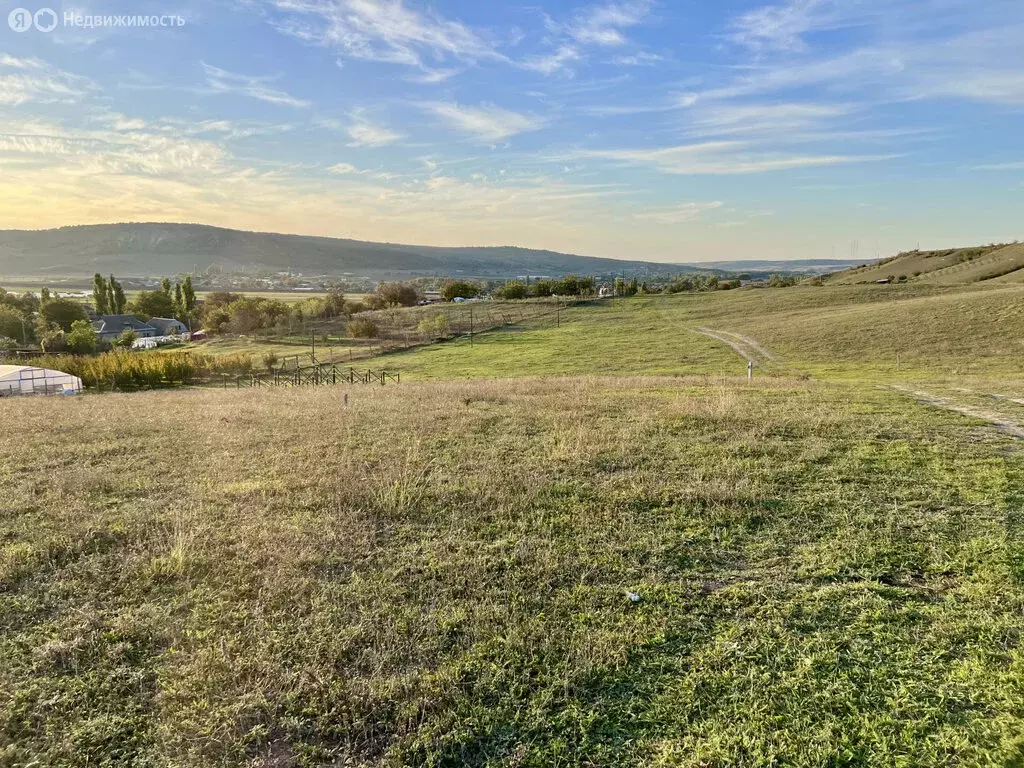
46, 20
20, 20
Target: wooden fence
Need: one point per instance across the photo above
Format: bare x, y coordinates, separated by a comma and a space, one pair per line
322, 374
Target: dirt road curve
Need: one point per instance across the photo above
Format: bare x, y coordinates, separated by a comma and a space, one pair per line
747, 348
998, 420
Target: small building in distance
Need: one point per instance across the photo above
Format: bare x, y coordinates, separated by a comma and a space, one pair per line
168, 326
28, 380
109, 327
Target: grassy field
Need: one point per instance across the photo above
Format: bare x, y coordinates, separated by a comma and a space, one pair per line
605, 549
849, 331
441, 574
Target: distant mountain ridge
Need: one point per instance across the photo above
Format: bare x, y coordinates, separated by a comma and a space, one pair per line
156, 249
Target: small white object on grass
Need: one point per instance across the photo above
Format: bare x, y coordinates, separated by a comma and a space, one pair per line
633, 597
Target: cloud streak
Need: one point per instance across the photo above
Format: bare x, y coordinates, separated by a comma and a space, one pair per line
221, 81
486, 123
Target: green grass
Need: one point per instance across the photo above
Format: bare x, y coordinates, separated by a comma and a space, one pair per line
841, 331
628, 337
829, 574
438, 573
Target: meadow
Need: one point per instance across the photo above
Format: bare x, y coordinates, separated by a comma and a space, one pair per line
853, 332
585, 543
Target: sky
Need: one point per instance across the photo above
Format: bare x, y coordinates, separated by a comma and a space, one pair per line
663, 130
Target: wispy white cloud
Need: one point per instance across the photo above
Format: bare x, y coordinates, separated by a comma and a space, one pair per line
347, 169
364, 132
780, 27
221, 81
721, 158
554, 62
1011, 166
487, 122
639, 59
24, 81
382, 30
606, 24
677, 214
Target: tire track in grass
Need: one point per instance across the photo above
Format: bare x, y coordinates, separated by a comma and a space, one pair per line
747, 348
998, 420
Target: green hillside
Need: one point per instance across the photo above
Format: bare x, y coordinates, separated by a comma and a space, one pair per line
852, 331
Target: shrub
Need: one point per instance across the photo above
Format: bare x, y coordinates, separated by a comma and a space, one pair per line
54, 341
436, 327
270, 360
512, 290
83, 339
395, 294
361, 328
459, 289
127, 339
543, 288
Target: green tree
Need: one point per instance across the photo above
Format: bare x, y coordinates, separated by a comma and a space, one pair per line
395, 294
83, 338
459, 289
152, 304
189, 294
513, 289
117, 303
568, 286
63, 313
165, 285
53, 340
543, 288
44, 295
179, 303
12, 323
100, 295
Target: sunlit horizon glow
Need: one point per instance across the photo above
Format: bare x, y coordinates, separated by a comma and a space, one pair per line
638, 129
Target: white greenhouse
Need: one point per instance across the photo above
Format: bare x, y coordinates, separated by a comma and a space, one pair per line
26, 380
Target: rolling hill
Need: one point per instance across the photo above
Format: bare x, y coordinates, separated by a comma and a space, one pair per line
954, 266
146, 249
157, 249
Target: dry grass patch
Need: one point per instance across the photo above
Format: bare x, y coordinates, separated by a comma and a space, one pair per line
438, 575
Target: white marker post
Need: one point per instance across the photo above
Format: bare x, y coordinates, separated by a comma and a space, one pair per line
750, 371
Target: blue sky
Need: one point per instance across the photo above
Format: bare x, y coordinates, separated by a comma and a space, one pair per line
674, 131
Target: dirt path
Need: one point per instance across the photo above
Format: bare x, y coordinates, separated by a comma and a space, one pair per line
998, 420
746, 347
